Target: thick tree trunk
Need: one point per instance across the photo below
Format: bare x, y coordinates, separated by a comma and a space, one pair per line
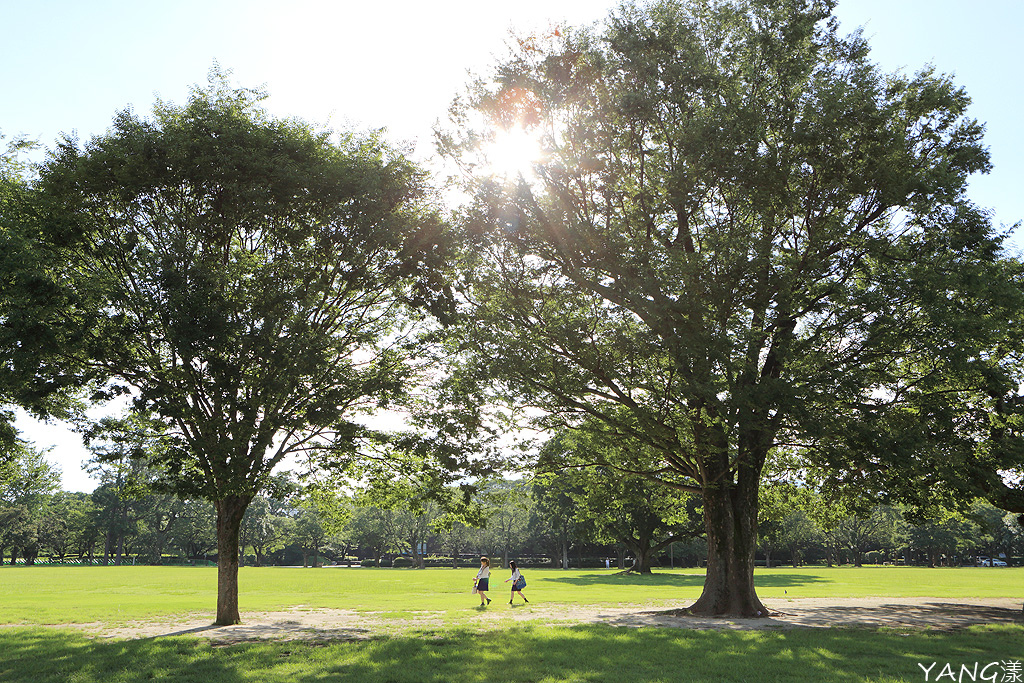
642, 562
730, 518
229, 522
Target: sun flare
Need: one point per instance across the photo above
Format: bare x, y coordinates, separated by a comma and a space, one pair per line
513, 152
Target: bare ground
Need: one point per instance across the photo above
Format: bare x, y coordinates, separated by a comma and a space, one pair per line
302, 623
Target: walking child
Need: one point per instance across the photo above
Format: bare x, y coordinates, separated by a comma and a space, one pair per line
518, 582
481, 580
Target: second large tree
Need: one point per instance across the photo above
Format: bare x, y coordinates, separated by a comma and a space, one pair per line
737, 227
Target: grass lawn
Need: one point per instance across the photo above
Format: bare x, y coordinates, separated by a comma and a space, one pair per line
31, 596
539, 654
61, 595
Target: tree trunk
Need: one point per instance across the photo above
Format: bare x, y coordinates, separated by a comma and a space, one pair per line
417, 556
229, 522
641, 560
730, 519
565, 554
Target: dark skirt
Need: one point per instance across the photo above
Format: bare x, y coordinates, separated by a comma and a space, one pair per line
481, 584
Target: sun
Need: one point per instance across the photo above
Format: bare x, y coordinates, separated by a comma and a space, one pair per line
513, 152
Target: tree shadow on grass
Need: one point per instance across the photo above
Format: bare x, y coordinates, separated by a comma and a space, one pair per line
582, 653
674, 580
45, 655
602, 653
786, 580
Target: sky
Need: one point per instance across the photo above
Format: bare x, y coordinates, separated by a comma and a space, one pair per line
68, 66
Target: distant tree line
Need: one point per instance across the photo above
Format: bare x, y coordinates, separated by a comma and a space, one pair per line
576, 518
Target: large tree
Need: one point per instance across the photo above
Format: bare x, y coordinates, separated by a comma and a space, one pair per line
735, 228
255, 278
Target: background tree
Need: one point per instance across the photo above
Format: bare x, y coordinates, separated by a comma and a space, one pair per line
194, 534
310, 534
453, 534
643, 515
263, 529
736, 229
370, 531
942, 536
786, 521
124, 482
30, 481
321, 517
267, 523
558, 512
859, 533
999, 531
506, 508
65, 523
253, 278
158, 514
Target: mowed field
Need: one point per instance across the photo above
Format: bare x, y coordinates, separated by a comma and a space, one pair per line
70, 595
36, 601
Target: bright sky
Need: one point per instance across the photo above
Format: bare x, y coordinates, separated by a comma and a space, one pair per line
70, 65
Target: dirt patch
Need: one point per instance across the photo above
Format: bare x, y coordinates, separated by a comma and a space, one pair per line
334, 624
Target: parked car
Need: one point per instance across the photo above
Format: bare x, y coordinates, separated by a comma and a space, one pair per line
996, 562
984, 561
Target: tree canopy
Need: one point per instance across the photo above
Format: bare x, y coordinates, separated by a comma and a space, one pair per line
258, 285
737, 229
42, 322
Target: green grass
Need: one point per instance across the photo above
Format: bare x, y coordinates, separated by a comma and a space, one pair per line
61, 595
539, 654
461, 652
